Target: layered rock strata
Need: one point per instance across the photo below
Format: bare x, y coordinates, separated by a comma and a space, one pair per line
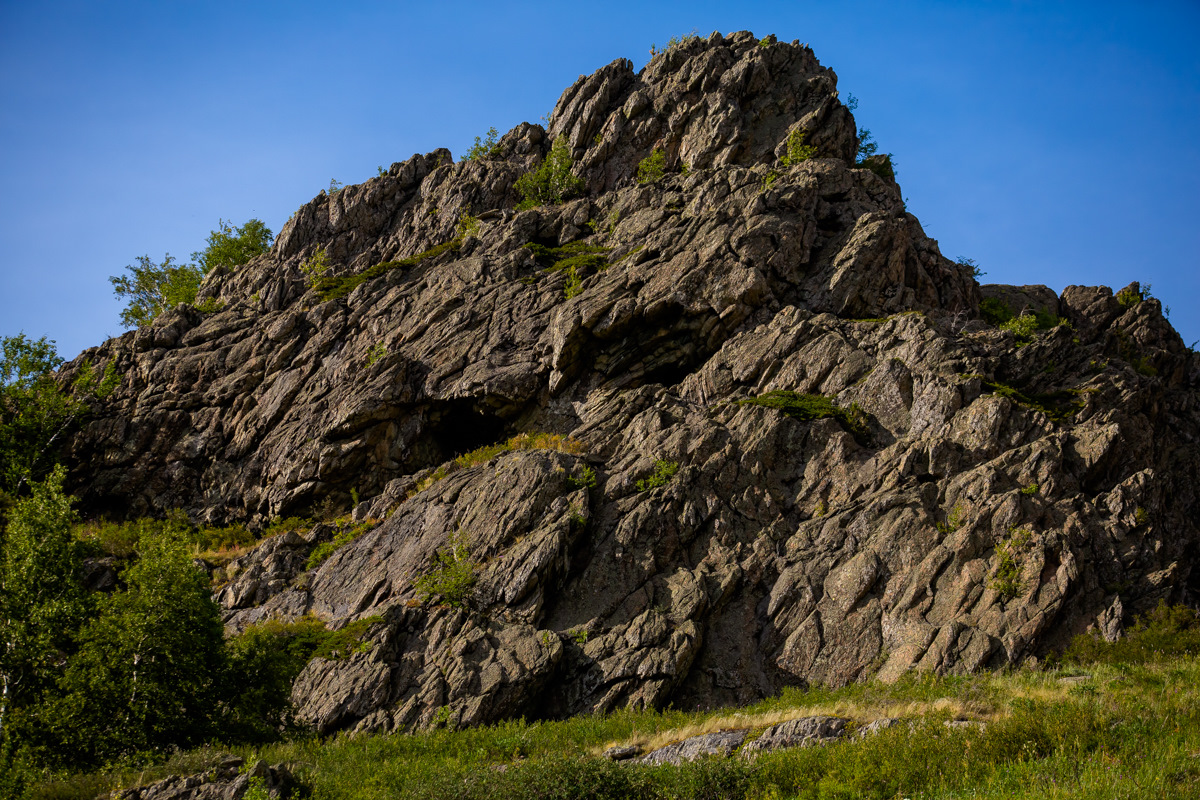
971, 500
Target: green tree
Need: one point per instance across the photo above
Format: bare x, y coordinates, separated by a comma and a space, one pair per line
34, 412
42, 599
551, 181
483, 148
153, 288
148, 672
231, 247
150, 289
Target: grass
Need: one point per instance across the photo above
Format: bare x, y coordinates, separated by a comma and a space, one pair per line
813, 406
347, 533
217, 546
331, 288
577, 256
1058, 406
522, 441
1127, 730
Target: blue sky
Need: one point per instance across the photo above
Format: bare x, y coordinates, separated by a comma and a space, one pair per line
1054, 143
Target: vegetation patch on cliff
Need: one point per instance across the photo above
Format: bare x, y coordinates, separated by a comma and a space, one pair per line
1058, 406
331, 288
813, 406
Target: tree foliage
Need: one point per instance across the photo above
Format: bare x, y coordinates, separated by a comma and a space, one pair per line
551, 181
153, 288
149, 289
42, 601
147, 675
231, 247
34, 412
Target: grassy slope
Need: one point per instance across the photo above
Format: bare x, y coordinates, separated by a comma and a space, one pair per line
1129, 731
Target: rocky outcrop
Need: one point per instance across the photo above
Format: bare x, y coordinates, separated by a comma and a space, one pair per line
803, 732
229, 780
721, 743
858, 474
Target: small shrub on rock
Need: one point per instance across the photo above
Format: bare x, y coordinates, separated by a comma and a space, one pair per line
484, 148
552, 181
1133, 294
651, 168
454, 574
797, 150
663, 472
1006, 580
314, 267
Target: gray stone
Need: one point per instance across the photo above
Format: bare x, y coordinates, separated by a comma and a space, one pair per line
803, 732
875, 726
227, 781
721, 743
619, 753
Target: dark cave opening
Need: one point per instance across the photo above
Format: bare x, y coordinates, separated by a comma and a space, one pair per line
460, 426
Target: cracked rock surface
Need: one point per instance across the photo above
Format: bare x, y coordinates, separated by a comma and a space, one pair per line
995, 497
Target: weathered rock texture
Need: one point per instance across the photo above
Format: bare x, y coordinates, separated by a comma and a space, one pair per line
230, 780
1003, 498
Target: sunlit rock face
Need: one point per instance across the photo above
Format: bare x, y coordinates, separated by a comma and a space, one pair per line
960, 496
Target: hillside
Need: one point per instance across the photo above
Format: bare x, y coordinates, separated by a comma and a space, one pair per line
755, 430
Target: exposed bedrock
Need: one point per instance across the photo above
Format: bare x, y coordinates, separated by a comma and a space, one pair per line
983, 495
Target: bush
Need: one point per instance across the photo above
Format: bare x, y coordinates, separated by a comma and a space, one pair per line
1006, 579
651, 168
884, 166
231, 247
586, 479
552, 181
1133, 294
574, 284
1058, 406
153, 288
972, 268
797, 150
346, 534
314, 267
264, 661
579, 256
467, 226
1165, 633
1022, 327
484, 148
1029, 323
453, 576
663, 472
995, 311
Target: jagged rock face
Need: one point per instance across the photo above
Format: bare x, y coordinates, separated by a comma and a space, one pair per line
1001, 498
